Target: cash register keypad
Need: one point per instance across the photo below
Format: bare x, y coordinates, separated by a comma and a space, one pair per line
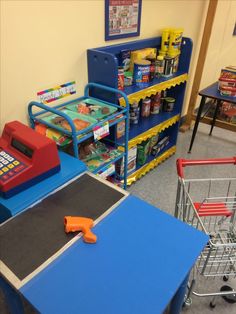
9, 166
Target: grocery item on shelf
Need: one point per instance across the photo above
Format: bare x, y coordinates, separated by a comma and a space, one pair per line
134, 112
121, 78
141, 72
96, 154
128, 78
120, 130
142, 152
159, 66
160, 146
92, 108
152, 59
165, 40
132, 155
125, 59
140, 54
60, 139
168, 105
175, 40
156, 103
80, 121
146, 107
153, 141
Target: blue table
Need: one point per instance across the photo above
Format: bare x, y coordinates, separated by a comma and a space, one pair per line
212, 93
140, 263
70, 168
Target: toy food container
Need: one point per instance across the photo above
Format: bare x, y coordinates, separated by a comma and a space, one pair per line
81, 122
92, 108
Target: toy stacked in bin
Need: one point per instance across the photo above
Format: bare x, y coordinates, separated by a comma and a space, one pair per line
227, 81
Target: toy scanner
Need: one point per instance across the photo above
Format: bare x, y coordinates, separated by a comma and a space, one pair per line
26, 157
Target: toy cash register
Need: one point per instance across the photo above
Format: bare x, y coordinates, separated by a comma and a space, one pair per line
26, 157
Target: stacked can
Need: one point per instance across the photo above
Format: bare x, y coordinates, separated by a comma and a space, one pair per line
120, 78
141, 72
156, 103
170, 49
146, 107
134, 113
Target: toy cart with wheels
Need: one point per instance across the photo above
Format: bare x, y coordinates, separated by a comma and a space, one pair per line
209, 205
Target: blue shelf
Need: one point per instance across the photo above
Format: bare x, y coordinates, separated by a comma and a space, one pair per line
103, 65
147, 123
150, 157
134, 89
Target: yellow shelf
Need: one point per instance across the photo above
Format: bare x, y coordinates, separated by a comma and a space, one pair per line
152, 164
152, 90
153, 131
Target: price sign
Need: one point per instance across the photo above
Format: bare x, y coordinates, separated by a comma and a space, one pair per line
109, 171
101, 131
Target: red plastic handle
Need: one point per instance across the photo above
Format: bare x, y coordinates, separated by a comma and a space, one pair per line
181, 163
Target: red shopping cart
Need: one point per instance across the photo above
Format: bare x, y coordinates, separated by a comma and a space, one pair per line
210, 206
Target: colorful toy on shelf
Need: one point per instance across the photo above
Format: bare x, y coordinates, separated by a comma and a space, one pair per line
26, 157
73, 224
227, 81
99, 118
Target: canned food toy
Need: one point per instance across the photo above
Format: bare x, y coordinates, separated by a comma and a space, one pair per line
169, 65
169, 103
159, 66
134, 113
146, 107
128, 78
156, 103
175, 62
141, 72
175, 41
120, 78
165, 39
152, 59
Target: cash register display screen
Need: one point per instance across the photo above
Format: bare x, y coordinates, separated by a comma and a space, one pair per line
22, 148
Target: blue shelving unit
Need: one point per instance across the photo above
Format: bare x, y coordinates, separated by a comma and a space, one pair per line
103, 65
78, 137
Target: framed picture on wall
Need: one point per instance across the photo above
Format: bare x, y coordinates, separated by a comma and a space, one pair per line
122, 18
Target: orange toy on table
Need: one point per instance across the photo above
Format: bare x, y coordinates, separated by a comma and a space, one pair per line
83, 224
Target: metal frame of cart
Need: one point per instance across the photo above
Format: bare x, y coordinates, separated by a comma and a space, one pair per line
209, 205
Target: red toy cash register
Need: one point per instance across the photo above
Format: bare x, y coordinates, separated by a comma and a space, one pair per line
26, 157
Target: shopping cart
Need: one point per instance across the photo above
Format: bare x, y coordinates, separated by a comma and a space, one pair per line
210, 206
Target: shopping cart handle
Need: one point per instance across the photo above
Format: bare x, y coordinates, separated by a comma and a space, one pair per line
181, 163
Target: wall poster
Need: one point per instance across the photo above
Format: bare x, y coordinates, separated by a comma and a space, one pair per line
122, 18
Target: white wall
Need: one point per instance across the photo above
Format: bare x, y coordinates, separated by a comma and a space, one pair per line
43, 43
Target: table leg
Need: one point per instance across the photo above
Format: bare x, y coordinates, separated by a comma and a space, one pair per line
178, 300
215, 115
13, 299
203, 100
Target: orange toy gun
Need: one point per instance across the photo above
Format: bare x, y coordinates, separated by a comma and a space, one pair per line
83, 224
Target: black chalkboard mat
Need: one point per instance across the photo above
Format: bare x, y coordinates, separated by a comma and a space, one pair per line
32, 237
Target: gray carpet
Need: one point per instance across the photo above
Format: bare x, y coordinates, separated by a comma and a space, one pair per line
159, 188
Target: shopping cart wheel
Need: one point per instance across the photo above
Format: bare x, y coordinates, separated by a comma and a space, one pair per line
228, 298
187, 302
212, 305
226, 278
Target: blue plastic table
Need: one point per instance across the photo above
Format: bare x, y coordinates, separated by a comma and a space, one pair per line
140, 263
212, 93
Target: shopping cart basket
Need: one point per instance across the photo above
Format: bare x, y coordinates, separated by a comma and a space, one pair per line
210, 206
